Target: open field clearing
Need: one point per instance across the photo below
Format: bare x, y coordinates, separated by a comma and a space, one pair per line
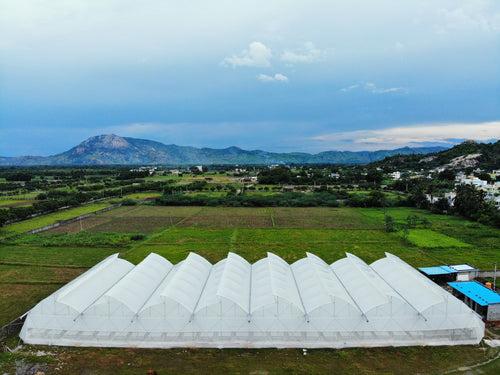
33, 266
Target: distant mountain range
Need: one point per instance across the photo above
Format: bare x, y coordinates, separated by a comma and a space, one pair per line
112, 149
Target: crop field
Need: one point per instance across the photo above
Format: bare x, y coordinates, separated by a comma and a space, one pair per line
52, 218
33, 266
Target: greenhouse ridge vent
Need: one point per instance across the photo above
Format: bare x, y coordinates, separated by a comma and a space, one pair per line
270, 303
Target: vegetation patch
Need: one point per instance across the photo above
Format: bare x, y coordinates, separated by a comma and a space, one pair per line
19, 298
54, 256
427, 238
86, 239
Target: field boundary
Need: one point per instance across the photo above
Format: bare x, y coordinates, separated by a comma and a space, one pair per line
158, 234
44, 265
72, 220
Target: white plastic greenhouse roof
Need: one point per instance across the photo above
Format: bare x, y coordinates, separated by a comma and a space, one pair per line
234, 303
86, 289
188, 282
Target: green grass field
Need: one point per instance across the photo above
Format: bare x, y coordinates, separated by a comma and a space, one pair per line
426, 238
33, 266
5, 203
145, 195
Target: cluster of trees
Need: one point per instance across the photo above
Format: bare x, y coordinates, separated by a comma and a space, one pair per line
18, 176
275, 200
292, 199
375, 198
321, 175
469, 203
412, 221
130, 175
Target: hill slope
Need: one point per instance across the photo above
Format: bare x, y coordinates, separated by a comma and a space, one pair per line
112, 149
467, 154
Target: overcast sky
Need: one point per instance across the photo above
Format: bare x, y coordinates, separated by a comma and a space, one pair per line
273, 75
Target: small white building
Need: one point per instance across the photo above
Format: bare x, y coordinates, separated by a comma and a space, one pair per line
472, 180
431, 198
395, 175
465, 272
450, 197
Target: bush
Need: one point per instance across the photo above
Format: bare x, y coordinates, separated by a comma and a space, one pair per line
137, 237
390, 225
129, 202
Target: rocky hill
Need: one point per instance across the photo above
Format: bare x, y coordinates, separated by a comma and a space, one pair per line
468, 154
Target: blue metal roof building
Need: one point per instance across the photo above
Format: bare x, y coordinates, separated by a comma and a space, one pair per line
476, 292
437, 270
483, 300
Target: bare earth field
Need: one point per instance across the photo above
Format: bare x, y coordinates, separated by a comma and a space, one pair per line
33, 266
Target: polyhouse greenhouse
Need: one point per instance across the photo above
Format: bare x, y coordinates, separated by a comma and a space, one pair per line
233, 303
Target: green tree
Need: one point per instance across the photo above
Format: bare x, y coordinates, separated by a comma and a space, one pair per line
469, 201
376, 198
374, 176
390, 225
412, 221
447, 174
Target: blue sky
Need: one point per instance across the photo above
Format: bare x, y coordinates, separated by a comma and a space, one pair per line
273, 75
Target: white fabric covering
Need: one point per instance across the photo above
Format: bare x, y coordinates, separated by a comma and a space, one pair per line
236, 304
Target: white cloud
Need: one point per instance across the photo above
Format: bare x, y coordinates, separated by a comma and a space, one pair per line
349, 88
448, 133
374, 89
278, 77
257, 54
468, 17
308, 54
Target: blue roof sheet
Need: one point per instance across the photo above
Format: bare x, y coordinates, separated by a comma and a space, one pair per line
476, 292
437, 270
